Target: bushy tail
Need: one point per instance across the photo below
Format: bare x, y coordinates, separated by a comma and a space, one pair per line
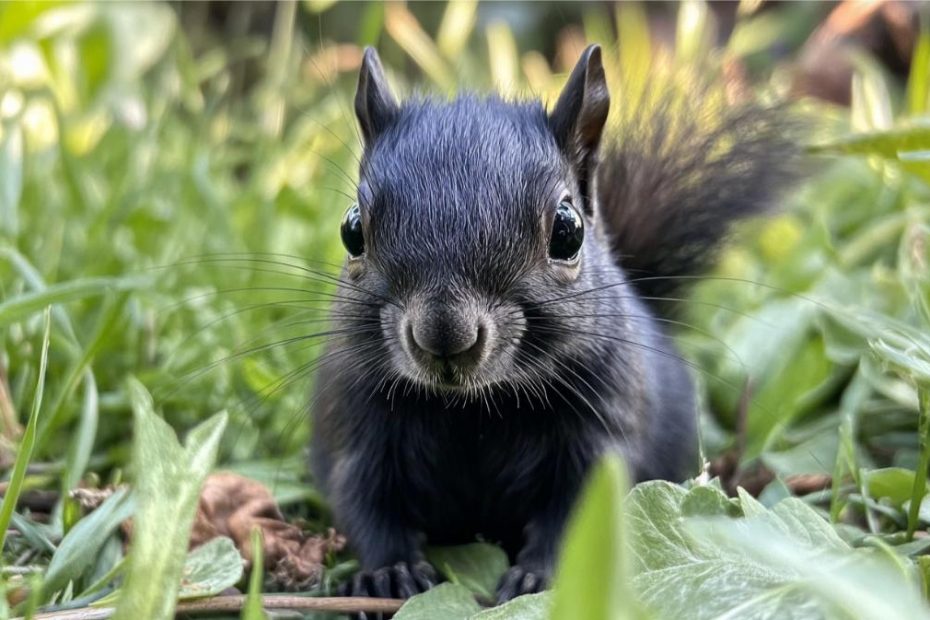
677, 170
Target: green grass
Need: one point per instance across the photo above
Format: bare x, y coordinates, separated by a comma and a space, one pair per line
165, 191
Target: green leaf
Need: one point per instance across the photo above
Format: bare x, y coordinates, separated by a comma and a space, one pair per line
28, 441
448, 601
478, 566
526, 607
593, 575
23, 306
894, 483
912, 137
764, 565
210, 568
812, 582
253, 609
750, 506
705, 501
79, 548
168, 481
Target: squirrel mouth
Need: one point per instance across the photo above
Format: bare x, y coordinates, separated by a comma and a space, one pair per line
444, 375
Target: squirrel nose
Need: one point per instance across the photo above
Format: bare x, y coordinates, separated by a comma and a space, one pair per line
445, 333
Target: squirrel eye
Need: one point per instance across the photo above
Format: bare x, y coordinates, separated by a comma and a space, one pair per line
351, 231
567, 233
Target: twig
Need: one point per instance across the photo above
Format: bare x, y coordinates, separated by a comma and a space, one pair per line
335, 604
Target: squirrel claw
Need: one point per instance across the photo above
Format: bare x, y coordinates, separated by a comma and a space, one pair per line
518, 581
402, 580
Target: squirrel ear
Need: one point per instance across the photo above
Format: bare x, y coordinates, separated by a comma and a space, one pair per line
375, 105
580, 113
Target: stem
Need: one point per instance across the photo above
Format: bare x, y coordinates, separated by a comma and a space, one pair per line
920, 475
335, 604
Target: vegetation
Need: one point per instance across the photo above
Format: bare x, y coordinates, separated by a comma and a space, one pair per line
169, 199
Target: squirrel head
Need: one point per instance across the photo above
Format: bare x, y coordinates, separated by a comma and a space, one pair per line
475, 228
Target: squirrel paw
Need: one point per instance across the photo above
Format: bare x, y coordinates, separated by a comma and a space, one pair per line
402, 580
518, 581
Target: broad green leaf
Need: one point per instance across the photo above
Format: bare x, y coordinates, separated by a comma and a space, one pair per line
79, 548
210, 568
526, 607
448, 601
814, 582
478, 566
682, 571
785, 394
798, 520
812, 456
168, 478
593, 575
893, 483
750, 506
706, 501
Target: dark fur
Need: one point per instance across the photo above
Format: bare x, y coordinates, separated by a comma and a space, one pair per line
673, 192
456, 200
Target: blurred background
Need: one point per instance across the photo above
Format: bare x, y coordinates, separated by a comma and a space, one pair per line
167, 169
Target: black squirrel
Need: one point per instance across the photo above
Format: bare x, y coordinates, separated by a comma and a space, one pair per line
501, 299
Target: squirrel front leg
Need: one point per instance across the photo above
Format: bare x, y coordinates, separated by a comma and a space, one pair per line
390, 553
535, 562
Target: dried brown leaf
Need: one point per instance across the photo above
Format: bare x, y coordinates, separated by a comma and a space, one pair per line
232, 505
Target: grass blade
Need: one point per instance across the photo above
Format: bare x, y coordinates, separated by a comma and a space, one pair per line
22, 306
918, 82
79, 548
29, 438
920, 476
253, 609
407, 32
458, 22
